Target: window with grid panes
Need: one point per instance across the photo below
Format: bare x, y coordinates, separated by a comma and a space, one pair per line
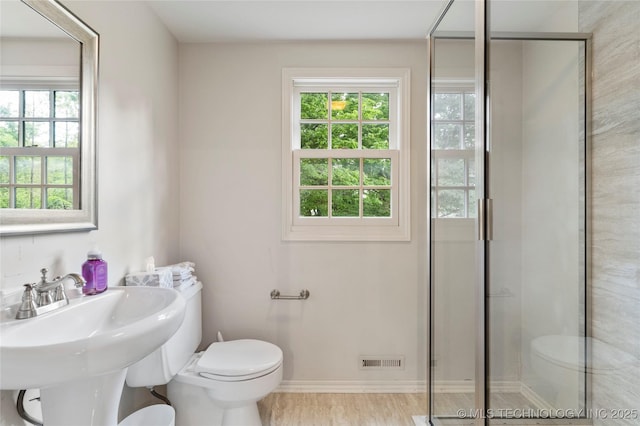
348, 154
453, 152
39, 148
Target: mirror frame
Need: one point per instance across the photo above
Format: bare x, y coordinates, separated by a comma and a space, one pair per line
35, 221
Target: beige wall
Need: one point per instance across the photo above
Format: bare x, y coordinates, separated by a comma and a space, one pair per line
137, 158
367, 298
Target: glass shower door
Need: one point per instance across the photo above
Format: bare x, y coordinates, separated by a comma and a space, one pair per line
536, 253
453, 224
508, 172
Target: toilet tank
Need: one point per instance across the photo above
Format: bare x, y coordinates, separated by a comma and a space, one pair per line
159, 367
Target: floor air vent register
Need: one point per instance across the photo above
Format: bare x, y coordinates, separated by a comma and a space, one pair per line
381, 363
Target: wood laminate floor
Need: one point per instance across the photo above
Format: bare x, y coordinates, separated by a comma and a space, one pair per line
448, 404
375, 409
357, 409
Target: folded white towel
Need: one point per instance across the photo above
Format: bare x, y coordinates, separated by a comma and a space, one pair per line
182, 274
185, 265
185, 284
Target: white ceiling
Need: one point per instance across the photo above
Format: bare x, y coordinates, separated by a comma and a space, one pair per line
204, 21
255, 20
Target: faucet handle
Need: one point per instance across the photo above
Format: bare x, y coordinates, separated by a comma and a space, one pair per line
58, 293
44, 298
28, 306
28, 291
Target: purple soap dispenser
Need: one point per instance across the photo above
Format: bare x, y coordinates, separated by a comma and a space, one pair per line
94, 271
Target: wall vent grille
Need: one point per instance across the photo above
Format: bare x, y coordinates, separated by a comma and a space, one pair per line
381, 363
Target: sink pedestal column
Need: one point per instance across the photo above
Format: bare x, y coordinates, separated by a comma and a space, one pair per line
89, 402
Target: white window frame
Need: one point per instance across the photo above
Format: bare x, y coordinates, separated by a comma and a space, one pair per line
394, 228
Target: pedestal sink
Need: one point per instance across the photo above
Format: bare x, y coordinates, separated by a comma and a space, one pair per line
78, 354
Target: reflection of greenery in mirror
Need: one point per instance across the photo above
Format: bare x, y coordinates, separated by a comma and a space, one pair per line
47, 119
43, 123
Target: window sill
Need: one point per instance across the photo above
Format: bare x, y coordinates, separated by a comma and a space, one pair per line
347, 233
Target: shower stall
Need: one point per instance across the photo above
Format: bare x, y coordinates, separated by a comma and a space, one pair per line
509, 167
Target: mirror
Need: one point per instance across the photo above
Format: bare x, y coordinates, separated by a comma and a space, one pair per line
48, 86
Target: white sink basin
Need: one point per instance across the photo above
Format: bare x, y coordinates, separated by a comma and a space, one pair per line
92, 337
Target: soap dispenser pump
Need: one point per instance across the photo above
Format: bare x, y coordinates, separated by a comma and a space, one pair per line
94, 271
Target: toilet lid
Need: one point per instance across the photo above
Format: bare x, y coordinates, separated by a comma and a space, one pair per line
239, 359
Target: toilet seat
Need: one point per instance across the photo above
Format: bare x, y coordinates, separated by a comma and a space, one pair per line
238, 360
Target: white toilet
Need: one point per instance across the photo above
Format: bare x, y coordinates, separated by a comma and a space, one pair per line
559, 363
219, 386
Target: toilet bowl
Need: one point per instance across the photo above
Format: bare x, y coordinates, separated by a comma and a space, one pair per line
234, 388
557, 362
218, 386
561, 361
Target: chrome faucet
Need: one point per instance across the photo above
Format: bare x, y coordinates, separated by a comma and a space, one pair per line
45, 287
46, 296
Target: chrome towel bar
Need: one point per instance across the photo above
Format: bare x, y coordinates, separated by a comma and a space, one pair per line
304, 294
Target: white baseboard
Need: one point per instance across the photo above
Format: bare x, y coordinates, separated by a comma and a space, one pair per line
454, 386
406, 386
535, 398
420, 420
468, 386
352, 386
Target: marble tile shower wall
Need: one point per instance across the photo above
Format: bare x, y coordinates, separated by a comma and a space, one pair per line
615, 195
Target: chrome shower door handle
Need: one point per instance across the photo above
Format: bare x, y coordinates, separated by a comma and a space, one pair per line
489, 219
485, 219
481, 219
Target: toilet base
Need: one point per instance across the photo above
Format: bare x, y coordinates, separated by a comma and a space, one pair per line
197, 405
193, 406
246, 415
